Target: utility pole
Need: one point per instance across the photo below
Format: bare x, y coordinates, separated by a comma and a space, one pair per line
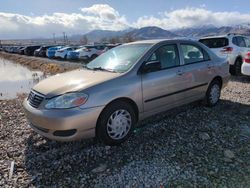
64, 37
54, 38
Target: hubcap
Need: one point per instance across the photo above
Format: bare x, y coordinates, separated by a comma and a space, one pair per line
215, 93
119, 124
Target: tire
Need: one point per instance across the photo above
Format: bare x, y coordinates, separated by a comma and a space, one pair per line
213, 93
116, 123
94, 56
238, 64
232, 70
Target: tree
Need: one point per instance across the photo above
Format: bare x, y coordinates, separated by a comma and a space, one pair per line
84, 40
128, 38
114, 40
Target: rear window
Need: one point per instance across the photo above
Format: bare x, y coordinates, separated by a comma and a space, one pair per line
215, 42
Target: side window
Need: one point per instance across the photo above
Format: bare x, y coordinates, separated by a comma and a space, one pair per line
241, 42
167, 56
193, 54
247, 40
235, 42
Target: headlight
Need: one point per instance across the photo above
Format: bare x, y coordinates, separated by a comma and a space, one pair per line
69, 100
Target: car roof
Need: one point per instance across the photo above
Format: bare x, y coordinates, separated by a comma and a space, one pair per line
155, 41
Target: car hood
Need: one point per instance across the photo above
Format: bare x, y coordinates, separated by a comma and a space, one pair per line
72, 81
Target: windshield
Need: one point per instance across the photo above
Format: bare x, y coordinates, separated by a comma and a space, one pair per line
119, 59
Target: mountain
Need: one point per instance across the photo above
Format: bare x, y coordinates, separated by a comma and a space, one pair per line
99, 35
212, 30
151, 33
135, 34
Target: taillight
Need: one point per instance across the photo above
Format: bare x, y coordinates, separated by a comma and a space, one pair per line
247, 58
227, 50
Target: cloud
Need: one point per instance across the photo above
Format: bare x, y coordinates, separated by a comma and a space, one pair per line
193, 17
103, 16
100, 16
104, 11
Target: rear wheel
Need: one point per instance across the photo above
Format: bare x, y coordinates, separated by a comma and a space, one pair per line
116, 123
213, 93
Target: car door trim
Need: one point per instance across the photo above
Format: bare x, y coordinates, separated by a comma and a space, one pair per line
174, 93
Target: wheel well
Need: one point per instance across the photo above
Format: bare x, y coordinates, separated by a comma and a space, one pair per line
218, 78
127, 100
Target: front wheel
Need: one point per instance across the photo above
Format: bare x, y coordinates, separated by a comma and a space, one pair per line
213, 93
116, 123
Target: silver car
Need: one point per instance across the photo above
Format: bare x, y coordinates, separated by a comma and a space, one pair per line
123, 86
233, 47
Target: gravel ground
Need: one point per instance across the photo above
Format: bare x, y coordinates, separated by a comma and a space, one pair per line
191, 146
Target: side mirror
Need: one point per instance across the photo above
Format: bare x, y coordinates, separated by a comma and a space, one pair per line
150, 66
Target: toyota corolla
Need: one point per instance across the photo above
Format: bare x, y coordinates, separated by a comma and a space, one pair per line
128, 83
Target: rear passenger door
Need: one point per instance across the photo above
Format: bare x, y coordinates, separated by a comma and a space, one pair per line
198, 70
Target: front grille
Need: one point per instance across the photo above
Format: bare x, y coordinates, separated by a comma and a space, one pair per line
35, 99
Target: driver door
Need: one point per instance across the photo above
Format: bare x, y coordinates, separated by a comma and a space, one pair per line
162, 80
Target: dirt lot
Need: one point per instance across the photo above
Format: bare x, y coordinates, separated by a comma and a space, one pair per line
191, 146
44, 64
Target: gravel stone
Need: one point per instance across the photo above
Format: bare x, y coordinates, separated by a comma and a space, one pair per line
229, 154
204, 136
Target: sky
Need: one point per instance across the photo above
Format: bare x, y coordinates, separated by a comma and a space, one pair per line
42, 18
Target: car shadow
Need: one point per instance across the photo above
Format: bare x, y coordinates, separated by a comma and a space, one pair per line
174, 137
242, 78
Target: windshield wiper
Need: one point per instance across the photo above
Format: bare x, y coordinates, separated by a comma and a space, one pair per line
100, 69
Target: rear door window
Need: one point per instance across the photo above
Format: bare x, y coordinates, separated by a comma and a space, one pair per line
215, 42
193, 54
247, 40
241, 42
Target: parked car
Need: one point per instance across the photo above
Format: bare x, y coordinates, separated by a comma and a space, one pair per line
41, 52
108, 47
29, 50
89, 52
62, 53
231, 46
50, 53
21, 50
123, 86
245, 69
16, 49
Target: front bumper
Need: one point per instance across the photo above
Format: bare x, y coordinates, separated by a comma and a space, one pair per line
63, 124
245, 69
